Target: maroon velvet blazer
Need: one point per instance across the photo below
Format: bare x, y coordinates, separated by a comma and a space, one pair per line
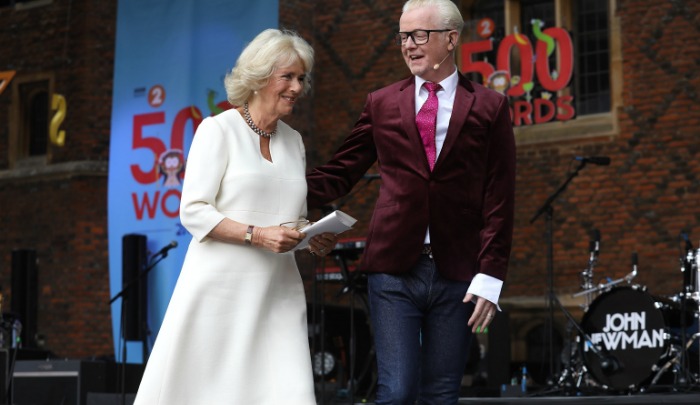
467, 199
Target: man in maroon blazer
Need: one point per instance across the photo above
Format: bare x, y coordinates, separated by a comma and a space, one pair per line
439, 239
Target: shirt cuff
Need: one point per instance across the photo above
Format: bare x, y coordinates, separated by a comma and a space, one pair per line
486, 287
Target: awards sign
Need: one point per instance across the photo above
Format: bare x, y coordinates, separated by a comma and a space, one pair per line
170, 61
552, 44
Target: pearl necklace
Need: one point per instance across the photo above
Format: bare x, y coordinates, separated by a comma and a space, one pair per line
254, 127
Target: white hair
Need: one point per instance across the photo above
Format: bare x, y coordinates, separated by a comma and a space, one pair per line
447, 10
270, 50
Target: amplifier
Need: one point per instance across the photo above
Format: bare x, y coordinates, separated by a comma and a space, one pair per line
4, 380
51, 382
101, 398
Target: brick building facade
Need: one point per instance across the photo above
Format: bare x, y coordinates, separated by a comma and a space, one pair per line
640, 203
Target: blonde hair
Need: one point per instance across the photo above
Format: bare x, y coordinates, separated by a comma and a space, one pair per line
270, 50
447, 10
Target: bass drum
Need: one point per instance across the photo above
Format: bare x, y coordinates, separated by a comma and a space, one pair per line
628, 326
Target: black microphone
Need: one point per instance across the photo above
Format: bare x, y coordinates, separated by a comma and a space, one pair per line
596, 160
165, 249
594, 245
688, 244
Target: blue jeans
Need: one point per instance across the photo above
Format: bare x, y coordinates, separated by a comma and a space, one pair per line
420, 334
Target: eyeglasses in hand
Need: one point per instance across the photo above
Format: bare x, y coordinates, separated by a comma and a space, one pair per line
296, 225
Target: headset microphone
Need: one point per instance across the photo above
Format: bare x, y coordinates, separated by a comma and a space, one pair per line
437, 65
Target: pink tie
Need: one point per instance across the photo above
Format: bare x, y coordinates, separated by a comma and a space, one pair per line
426, 121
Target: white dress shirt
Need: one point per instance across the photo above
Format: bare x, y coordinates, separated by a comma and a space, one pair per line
482, 285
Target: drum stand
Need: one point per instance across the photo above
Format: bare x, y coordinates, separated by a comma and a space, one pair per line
677, 362
574, 371
678, 359
575, 374
587, 274
678, 354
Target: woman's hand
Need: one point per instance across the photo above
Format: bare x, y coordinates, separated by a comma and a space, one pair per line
322, 244
278, 239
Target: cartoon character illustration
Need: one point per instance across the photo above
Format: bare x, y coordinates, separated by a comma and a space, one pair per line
171, 167
213, 107
499, 81
537, 31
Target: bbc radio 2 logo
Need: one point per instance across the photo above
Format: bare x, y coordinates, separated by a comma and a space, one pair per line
167, 171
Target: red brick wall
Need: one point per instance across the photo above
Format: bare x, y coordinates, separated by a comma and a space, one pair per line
63, 214
355, 54
649, 193
64, 220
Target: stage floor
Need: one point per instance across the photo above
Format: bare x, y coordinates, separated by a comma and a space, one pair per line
688, 396
676, 398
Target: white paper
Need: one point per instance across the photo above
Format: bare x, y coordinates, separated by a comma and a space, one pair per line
335, 223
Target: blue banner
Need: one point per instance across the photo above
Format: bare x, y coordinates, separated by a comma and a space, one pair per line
170, 61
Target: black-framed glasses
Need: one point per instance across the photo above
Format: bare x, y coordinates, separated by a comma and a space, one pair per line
419, 37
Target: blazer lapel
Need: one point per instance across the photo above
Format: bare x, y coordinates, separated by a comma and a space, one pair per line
464, 99
407, 106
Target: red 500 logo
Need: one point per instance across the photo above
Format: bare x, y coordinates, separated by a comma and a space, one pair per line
168, 167
533, 64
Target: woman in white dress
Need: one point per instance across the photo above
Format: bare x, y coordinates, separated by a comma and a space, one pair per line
235, 330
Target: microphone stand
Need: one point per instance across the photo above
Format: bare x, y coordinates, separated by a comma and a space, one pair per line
548, 209
688, 268
607, 362
122, 323
349, 286
322, 324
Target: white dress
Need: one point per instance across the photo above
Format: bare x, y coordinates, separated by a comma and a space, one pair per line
235, 330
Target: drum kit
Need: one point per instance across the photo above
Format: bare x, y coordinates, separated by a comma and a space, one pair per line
630, 341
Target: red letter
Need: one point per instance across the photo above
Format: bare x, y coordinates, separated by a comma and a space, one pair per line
504, 51
146, 204
566, 60
154, 144
522, 111
483, 68
564, 103
169, 213
177, 137
539, 103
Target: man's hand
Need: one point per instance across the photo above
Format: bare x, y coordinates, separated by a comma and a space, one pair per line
483, 314
322, 244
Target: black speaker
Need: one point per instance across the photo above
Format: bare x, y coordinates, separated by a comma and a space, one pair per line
66, 382
498, 353
134, 305
4, 377
101, 398
24, 293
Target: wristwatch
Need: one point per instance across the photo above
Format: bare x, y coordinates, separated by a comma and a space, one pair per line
249, 235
